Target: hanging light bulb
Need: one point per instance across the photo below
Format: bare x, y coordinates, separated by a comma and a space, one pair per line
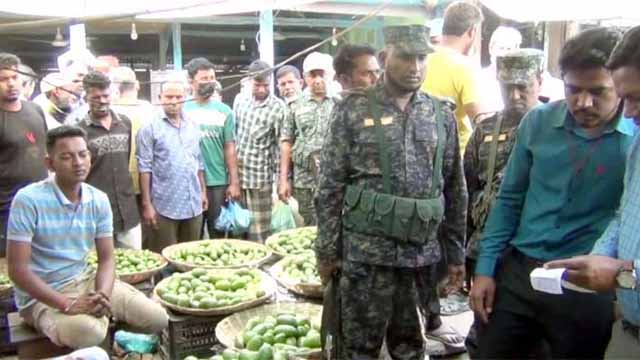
59, 41
242, 46
134, 33
334, 41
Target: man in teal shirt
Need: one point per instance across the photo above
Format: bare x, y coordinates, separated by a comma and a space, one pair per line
217, 142
562, 186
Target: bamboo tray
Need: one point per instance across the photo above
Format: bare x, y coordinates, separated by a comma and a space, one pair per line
230, 327
312, 290
183, 266
273, 239
137, 277
267, 284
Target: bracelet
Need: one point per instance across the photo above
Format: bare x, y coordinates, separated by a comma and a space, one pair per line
66, 309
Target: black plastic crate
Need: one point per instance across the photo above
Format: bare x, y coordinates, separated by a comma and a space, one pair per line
188, 335
7, 305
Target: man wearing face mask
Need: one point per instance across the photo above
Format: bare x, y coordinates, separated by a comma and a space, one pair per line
561, 187
217, 143
58, 99
303, 134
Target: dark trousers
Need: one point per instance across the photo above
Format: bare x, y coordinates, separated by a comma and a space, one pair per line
216, 196
575, 325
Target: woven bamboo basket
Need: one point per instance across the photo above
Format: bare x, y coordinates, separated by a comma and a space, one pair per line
230, 327
267, 284
183, 266
137, 277
312, 290
273, 239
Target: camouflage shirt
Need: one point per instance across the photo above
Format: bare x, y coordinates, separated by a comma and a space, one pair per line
306, 126
476, 170
350, 156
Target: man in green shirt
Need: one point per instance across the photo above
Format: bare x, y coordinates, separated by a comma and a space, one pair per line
217, 143
561, 187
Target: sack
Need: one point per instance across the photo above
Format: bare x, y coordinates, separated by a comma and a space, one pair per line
241, 218
285, 216
399, 218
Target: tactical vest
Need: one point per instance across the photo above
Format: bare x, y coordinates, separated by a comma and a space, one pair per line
402, 219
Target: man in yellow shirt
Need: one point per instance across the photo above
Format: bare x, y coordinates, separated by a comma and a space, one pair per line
450, 72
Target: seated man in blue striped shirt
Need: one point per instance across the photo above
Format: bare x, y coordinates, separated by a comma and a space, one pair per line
53, 224
615, 258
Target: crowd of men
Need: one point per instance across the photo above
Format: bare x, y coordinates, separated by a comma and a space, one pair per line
407, 179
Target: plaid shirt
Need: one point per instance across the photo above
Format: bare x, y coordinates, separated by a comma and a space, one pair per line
258, 127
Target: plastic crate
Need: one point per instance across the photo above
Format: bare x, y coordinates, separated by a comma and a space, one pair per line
188, 335
7, 305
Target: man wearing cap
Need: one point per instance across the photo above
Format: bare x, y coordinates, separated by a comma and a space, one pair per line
561, 187
57, 99
390, 183
303, 134
519, 74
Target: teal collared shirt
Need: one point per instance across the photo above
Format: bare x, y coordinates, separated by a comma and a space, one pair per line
560, 189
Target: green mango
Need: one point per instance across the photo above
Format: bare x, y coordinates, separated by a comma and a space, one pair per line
312, 340
248, 355
229, 354
255, 343
265, 352
287, 319
288, 330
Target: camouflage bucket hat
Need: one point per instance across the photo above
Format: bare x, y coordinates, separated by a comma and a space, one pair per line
411, 39
519, 66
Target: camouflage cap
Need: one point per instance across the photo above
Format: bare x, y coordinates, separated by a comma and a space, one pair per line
412, 39
518, 66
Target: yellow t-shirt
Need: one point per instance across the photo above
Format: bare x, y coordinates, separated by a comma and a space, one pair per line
451, 75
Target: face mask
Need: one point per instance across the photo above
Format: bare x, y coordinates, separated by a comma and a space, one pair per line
205, 90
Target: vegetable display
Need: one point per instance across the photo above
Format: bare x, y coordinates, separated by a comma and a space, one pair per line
294, 241
129, 261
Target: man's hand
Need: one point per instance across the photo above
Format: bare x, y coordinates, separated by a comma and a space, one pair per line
326, 269
233, 191
481, 296
593, 272
284, 190
456, 278
94, 304
149, 216
205, 200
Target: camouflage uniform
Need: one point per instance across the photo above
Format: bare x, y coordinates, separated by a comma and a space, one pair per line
516, 67
306, 127
382, 280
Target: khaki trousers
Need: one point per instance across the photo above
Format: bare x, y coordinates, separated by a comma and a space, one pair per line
80, 331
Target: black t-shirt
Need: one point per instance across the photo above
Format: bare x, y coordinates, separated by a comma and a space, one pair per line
22, 151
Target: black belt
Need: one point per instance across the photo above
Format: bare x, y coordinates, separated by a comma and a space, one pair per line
631, 329
521, 257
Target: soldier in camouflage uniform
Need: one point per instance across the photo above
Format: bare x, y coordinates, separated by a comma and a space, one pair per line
378, 219
519, 73
306, 128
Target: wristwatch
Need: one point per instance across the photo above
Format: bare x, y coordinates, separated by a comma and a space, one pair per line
626, 277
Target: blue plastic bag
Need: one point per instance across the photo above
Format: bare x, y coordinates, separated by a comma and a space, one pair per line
233, 219
137, 343
224, 222
241, 218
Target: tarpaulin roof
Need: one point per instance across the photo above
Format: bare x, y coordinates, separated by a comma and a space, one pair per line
564, 10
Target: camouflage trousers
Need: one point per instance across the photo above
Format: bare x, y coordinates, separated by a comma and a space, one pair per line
381, 303
305, 205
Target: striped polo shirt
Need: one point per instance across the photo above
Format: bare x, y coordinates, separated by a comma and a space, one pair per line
61, 233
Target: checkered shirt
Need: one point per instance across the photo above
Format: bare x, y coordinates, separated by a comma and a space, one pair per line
258, 127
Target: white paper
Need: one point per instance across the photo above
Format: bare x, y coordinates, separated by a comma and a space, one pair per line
547, 280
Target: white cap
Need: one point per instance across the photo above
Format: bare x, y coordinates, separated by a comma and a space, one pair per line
318, 61
52, 81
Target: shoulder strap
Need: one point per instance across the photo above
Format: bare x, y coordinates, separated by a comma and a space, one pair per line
493, 152
376, 113
437, 167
